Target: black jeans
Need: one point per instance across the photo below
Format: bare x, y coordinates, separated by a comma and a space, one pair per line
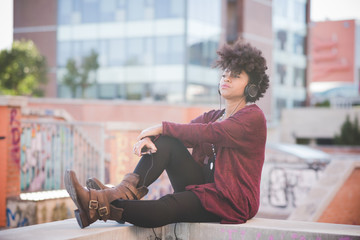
182, 205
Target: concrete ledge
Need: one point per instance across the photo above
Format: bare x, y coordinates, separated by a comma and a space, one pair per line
255, 229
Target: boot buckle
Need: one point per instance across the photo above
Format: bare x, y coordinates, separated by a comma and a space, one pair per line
93, 204
103, 211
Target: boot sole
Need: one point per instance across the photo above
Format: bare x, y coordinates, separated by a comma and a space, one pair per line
80, 214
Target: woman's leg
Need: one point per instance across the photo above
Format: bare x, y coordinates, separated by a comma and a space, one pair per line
173, 157
178, 207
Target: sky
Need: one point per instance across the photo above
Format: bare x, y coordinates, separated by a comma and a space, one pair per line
321, 10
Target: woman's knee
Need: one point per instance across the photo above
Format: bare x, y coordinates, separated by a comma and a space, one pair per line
168, 143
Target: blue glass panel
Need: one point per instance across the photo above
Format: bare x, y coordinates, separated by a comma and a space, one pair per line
116, 52
64, 11
206, 11
176, 50
103, 53
169, 50
90, 11
89, 45
64, 53
134, 51
161, 50
169, 9
107, 10
135, 10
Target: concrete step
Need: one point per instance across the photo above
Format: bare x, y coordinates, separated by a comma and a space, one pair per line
255, 229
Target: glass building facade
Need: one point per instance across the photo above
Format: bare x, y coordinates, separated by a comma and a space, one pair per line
289, 54
147, 49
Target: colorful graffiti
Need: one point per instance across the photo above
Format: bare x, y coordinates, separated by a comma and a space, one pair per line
19, 214
15, 135
48, 149
24, 213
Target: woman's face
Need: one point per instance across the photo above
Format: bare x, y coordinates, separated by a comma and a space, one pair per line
232, 87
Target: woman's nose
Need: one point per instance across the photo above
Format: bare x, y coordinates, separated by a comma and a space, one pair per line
226, 78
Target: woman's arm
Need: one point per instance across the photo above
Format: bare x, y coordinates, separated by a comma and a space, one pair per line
151, 131
232, 132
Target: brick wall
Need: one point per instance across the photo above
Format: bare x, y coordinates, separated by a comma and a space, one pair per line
9, 156
3, 163
13, 162
345, 207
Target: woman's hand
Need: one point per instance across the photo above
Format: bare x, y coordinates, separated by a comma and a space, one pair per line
151, 131
145, 143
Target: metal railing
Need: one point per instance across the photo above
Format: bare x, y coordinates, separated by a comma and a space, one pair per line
48, 148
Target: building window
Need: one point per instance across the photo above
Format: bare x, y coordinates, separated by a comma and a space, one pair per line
64, 53
299, 44
299, 12
169, 50
169, 9
208, 11
298, 103
116, 52
135, 10
281, 73
107, 91
299, 77
107, 10
280, 105
280, 7
281, 39
134, 91
203, 53
139, 51
90, 11
64, 12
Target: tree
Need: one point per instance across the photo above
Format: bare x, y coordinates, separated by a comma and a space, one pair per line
23, 70
80, 77
70, 79
89, 64
349, 134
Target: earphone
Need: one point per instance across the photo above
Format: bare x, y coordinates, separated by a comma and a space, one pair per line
251, 91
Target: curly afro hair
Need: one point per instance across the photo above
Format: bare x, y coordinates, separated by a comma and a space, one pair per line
244, 57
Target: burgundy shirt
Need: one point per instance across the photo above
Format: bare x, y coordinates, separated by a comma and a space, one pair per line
240, 147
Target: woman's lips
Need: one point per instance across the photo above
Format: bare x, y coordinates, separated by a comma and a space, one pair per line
224, 86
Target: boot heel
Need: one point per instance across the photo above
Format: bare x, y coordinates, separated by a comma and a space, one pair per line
81, 220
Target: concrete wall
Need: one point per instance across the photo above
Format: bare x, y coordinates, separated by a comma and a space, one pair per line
313, 123
24, 213
254, 229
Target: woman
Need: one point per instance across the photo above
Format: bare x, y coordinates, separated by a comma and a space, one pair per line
218, 182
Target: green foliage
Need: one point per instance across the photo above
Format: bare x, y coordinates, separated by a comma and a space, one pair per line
79, 77
22, 70
325, 103
350, 133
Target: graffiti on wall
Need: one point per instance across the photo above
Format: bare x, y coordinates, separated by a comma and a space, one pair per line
24, 213
19, 214
15, 135
284, 186
48, 149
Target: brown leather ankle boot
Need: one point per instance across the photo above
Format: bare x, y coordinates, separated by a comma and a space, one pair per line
92, 204
128, 187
